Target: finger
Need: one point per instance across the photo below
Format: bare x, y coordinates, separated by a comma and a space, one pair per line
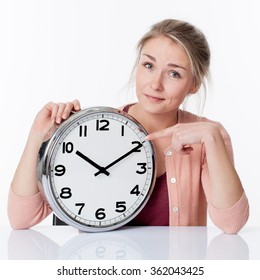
69, 106
50, 111
160, 134
61, 108
187, 149
54, 111
76, 105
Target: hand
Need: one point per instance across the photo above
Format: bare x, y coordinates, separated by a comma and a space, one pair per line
185, 134
51, 115
101, 169
135, 149
25, 181
225, 190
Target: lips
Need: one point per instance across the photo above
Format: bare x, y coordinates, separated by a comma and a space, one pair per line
153, 98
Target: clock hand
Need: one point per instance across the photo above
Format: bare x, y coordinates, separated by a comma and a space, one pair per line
100, 168
135, 149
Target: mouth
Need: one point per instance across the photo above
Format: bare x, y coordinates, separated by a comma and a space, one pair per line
154, 99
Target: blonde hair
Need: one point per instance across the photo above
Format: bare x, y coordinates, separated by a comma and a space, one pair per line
190, 38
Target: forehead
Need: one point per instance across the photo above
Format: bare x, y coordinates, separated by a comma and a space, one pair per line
166, 50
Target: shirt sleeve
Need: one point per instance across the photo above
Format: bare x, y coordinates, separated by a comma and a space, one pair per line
26, 211
232, 219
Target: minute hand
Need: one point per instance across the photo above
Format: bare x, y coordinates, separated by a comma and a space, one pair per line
135, 149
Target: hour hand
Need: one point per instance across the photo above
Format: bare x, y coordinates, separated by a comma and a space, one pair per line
87, 159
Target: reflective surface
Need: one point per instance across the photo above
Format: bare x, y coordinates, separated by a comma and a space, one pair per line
132, 243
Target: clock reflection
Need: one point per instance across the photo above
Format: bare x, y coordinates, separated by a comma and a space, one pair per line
100, 247
128, 243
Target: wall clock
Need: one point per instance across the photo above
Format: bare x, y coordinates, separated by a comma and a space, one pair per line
97, 171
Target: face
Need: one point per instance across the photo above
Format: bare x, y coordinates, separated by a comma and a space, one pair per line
163, 76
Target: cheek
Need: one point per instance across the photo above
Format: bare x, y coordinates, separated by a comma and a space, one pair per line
177, 90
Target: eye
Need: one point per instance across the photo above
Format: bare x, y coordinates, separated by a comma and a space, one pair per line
174, 74
148, 65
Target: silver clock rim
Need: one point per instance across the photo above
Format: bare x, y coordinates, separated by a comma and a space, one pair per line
44, 178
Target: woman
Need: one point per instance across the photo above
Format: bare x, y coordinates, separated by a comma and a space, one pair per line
194, 155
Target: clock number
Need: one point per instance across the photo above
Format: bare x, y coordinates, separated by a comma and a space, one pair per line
65, 193
143, 168
102, 125
100, 251
83, 129
120, 206
120, 254
81, 205
100, 214
137, 144
60, 170
135, 190
122, 130
67, 147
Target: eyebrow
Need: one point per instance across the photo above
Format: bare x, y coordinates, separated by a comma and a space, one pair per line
169, 64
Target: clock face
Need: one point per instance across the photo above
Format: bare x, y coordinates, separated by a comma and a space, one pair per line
99, 169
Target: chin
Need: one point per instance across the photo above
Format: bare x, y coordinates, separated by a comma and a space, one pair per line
152, 109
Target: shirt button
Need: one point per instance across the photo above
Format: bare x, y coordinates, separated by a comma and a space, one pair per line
173, 180
175, 209
168, 153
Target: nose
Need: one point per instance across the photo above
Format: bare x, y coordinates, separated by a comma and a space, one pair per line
157, 82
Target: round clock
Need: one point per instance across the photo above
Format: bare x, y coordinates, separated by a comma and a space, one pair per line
97, 171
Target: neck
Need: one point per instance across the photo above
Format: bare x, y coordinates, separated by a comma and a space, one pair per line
153, 122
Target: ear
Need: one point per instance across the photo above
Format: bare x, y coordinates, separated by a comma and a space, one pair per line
194, 88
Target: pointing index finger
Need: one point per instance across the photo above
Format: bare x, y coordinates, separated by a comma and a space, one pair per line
160, 134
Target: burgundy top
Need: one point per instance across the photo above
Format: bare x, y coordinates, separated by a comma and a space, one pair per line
156, 210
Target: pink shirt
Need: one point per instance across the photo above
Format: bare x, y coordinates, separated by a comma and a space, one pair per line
188, 185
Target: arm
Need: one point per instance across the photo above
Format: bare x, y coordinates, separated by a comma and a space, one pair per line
225, 186
24, 184
220, 180
229, 219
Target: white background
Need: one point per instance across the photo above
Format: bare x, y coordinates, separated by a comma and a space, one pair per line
59, 50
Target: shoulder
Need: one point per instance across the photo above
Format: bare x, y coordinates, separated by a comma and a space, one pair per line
126, 107
186, 117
